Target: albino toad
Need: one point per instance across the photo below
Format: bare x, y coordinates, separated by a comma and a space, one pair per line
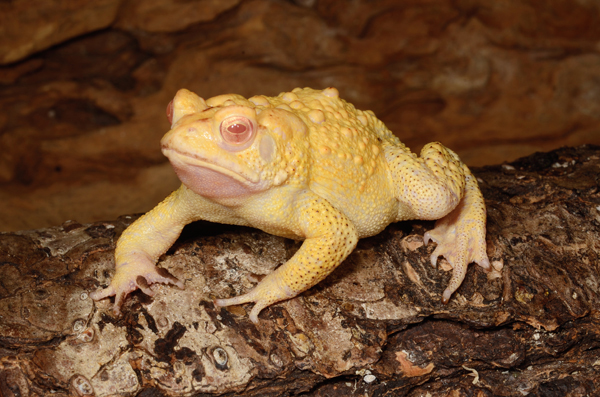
304, 165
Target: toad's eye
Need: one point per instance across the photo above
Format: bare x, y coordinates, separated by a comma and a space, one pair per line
237, 130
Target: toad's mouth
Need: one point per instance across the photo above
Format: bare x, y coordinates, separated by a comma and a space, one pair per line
181, 161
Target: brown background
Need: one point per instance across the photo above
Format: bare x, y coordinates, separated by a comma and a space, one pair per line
84, 84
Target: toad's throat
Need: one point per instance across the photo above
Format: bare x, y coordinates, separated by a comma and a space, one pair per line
181, 161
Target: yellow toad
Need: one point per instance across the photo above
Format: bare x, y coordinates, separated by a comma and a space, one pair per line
304, 165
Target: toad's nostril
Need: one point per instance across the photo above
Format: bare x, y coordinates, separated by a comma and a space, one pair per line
170, 112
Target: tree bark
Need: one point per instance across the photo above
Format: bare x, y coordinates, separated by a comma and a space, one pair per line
375, 327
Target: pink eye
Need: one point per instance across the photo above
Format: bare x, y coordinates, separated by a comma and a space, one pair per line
236, 130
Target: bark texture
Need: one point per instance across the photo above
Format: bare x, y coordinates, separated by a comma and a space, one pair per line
375, 327
84, 83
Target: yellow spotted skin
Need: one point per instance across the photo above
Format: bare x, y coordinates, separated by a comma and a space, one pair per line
305, 165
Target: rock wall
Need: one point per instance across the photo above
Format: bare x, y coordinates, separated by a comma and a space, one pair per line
84, 84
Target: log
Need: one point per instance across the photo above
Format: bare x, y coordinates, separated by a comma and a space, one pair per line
375, 327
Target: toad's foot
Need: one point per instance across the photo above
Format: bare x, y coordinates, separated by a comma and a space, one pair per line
266, 293
138, 273
460, 238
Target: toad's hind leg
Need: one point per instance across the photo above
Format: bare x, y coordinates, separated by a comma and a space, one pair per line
460, 236
438, 185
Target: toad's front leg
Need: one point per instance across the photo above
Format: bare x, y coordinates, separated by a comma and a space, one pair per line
140, 246
330, 238
438, 185
145, 240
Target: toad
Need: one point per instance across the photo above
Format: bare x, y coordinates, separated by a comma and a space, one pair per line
304, 165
